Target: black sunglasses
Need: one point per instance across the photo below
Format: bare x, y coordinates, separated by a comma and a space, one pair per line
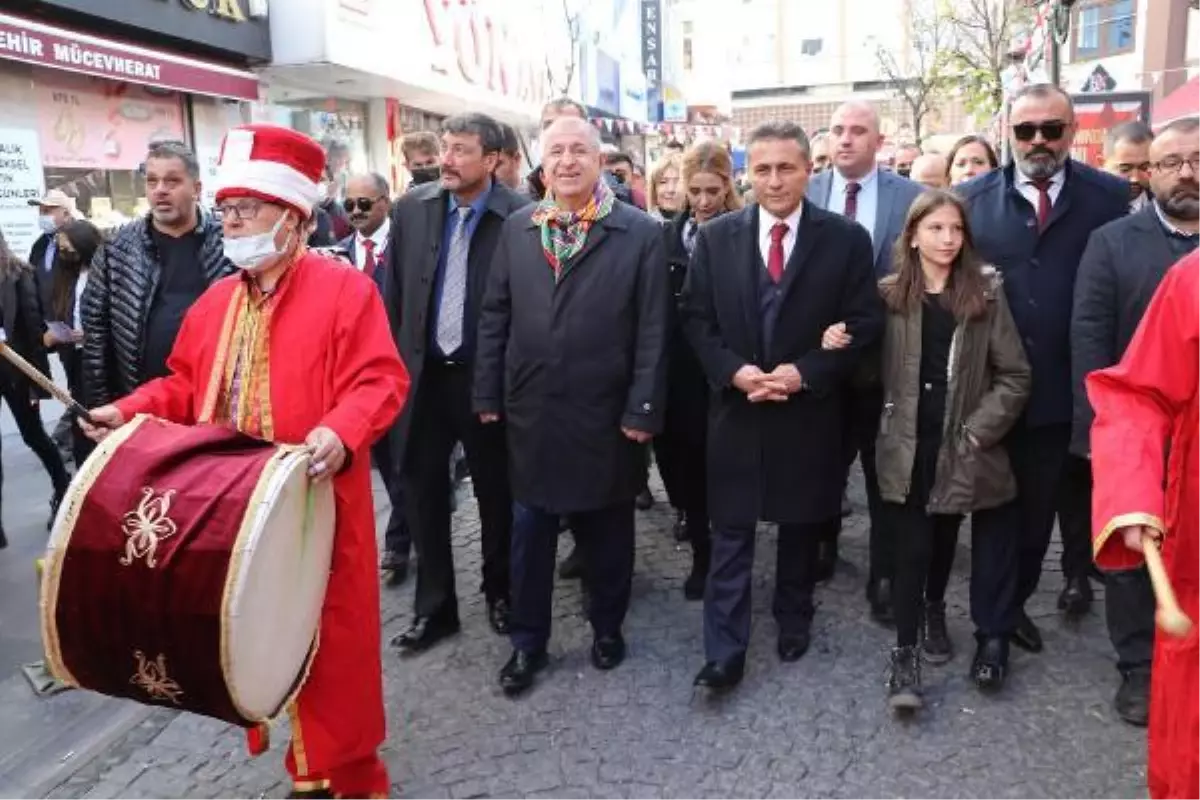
364, 203
1051, 131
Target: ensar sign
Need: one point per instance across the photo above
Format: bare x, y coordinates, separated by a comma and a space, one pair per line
226, 9
475, 44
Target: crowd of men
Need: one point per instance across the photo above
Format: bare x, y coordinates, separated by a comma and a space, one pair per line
538, 317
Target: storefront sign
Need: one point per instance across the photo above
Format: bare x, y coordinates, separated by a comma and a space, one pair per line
44, 45
20, 182
1096, 114
652, 46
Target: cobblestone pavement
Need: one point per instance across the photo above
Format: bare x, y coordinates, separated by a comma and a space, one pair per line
817, 728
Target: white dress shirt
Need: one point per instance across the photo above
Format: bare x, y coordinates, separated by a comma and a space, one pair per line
379, 237
868, 198
766, 221
1030, 192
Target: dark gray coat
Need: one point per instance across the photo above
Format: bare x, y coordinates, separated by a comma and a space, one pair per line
779, 462
418, 221
569, 365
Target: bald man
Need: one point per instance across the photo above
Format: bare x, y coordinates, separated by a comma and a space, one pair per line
930, 170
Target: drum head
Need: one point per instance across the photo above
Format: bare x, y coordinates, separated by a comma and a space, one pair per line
277, 588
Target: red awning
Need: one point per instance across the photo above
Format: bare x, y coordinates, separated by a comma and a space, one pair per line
1183, 102
50, 46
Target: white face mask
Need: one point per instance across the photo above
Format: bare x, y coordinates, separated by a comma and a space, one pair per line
322, 192
258, 251
47, 223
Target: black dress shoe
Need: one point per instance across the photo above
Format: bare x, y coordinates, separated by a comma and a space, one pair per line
1076, 597
608, 652
644, 501
392, 560
1026, 635
791, 646
425, 633
517, 675
989, 667
827, 553
1132, 702
397, 575
572, 566
880, 598
721, 676
498, 614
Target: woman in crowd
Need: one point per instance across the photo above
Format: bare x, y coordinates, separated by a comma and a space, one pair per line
708, 190
970, 156
666, 195
955, 379
22, 324
77, 243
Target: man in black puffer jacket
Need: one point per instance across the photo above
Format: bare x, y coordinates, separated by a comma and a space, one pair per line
142, 282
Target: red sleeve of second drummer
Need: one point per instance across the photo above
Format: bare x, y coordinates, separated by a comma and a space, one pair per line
1137, 403
173, 397
370, 380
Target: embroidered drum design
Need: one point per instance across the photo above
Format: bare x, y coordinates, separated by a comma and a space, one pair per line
187, 568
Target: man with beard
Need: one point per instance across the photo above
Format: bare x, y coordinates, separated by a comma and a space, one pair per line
421, 151
1121, 268
1032, 220
1127, 155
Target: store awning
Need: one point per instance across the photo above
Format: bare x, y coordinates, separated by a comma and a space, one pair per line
1183, 102
60, 48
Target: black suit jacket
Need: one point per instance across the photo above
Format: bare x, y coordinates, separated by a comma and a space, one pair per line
1121, 268
381, 269
780, 462
418, 221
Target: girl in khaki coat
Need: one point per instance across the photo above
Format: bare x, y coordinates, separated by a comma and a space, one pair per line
955, 379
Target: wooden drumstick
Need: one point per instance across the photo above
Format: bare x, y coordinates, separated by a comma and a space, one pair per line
1170, 616
35, 375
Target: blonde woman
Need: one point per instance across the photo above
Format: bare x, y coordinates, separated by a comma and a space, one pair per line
666, 194
707, 191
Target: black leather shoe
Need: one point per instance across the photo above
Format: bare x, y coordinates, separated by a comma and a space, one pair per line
608, 652
498, 613
517, 675
1132, 702
397, 575
572, 566
880, 598
791, 646
1026, 635
1076, 597
392, 560
827, 553
989, 667
425, 633
644, 501
722, 676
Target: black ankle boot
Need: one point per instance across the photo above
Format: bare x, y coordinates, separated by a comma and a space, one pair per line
936, 644
904, 679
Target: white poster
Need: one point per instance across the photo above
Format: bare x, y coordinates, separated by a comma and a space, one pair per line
21, 180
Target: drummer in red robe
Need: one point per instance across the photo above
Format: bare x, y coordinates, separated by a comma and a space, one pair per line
297, 349
1145, 438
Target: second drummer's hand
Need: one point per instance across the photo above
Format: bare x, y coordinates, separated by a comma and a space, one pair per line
107, 419
327, 452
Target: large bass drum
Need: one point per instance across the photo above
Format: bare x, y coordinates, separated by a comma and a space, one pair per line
187, 568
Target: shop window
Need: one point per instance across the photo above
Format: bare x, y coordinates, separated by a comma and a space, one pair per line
687, 54
339, 125
1104, 28
811, 47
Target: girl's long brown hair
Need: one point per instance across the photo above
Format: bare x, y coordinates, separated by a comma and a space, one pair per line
711, 157
965, 292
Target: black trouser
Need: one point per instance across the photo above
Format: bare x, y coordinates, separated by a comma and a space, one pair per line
681, 453
1129, 606
924, 552
398, 537
16, 392
727, 594
860, 428
441, 417
1048, 485
995, 566
72, 361
604, 539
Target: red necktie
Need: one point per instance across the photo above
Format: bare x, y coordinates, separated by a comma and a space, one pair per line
775, 253
851, 211
1044, 204
371, 263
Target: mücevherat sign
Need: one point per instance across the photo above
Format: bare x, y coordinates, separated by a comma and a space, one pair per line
233, 29
46, 45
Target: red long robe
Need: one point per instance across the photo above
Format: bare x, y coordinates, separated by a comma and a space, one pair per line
315, 352
1146, 401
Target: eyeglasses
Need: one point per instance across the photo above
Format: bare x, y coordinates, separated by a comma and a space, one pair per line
1052, 131
1175, 163
240, 210
363, 204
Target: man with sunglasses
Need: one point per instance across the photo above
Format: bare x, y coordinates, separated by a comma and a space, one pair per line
443, 238
367, 205
1032, 220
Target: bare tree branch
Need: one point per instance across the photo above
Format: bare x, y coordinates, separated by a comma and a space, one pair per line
917, 76
571, 27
